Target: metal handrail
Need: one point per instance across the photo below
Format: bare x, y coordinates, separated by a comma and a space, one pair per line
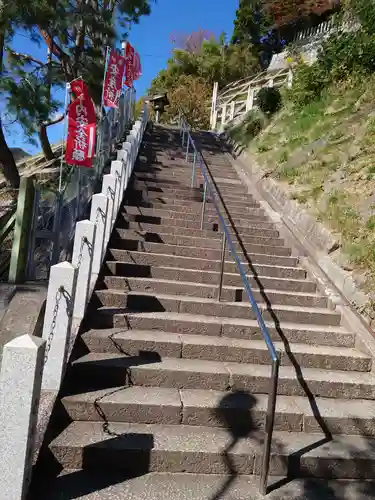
227, 240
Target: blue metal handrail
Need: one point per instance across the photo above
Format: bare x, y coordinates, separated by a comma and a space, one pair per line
210, 186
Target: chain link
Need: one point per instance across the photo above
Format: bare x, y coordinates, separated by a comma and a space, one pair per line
59, 294
84, 241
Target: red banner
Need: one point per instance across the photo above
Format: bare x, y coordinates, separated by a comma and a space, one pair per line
113, 79
129, 77
137, 66
80, 145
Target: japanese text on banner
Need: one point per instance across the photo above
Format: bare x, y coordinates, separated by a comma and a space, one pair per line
129, 77
113, 79
80, 146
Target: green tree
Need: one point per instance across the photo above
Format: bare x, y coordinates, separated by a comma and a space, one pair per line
81, 29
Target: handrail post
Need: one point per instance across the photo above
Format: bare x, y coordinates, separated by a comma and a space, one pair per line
204, 203
183, 135
223, 248
270, 419
187, 148
193, 171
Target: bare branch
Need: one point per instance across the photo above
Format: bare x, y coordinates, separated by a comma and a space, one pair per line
27, 57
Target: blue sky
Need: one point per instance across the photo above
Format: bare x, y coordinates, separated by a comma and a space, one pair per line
152, 39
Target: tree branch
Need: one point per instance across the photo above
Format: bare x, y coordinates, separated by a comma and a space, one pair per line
27, 57
53, 122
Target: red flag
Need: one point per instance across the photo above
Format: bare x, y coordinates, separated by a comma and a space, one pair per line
129, 77
113, 79
137, 66
80, 144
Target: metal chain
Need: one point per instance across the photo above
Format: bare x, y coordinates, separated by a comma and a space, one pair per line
59, 294
84, 241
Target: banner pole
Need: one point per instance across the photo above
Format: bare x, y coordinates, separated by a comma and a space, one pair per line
101, 119
67, 88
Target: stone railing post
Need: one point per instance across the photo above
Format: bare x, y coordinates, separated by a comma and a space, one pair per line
123, 155
84, 242
118, 171
109, 190
98, 216
58, 322
20, 385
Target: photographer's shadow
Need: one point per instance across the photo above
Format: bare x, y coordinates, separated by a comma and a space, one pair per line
235, 413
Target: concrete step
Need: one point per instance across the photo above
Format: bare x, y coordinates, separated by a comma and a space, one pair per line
173, 345
236, 328
115, 275
194, 209
195, 196
196, 289
116, 303
152, 405
209, 222
171, 187
164, 486
178, 213
190, 449
157, 259
141, 244
208, 240
209, 229
230, 186
104, 370
118, 253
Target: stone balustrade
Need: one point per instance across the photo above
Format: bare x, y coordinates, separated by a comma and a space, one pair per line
31, 365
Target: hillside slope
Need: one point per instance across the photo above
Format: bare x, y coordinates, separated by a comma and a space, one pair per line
324, 154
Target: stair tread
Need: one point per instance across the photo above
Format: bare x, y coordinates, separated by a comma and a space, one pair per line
169, 256
167, 486
199, 318
214, 285
161, 336
185, 298
245, 369
186, 438
259, 276
182, 398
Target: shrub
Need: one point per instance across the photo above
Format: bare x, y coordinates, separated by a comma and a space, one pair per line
269, 100
343, 57
250, 126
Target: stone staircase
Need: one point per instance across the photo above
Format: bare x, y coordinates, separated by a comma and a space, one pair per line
167, 394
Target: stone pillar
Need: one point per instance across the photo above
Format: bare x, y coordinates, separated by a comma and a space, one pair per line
20, 385
98, 216
122, 155
109, 190
58, 322
250, 99
118, 171
84, 242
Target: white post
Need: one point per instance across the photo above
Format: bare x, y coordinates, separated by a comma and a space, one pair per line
118, 170
84, 241
98, 216
123, 155
250, 99
58, 322
131, 139
232, 109
20, 384
213, 104
270, 82
214, 120
126, 146
223, 115
109, 190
